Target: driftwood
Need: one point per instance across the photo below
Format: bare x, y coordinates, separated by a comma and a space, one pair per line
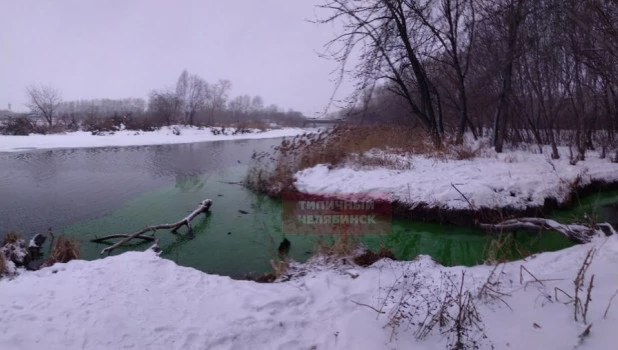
578, 233
202, 208
103, 239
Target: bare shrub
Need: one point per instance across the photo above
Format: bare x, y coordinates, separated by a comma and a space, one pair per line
455, 312
447, 305
580, 308
17, 127
14, 249
64, 250
491, 291
94, 125
57, 128
142, 124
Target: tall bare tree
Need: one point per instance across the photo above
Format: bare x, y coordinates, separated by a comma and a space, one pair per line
192, 92
217, 99
197, 94
391, 39
44, 100
452, 24
164, 105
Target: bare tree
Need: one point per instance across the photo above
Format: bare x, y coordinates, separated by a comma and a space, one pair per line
182, 85
392, 44
191, 93
508, 17
44, 100
257, 104
217, 98
197, 94
164, 105
527, 71
452, 24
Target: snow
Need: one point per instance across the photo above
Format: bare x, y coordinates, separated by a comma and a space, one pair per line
139, 300
165, 135
516, 179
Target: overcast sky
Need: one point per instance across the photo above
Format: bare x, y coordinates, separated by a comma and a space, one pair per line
125, 48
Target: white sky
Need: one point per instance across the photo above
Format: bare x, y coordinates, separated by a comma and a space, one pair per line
125, 48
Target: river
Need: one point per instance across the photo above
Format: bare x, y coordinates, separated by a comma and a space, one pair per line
83, 193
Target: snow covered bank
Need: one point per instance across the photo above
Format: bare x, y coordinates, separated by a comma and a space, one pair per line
138, 300
165, 135
514, 179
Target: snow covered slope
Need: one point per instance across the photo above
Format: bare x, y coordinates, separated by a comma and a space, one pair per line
138, 300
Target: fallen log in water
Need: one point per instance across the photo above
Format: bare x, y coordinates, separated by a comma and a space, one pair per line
578, 233
103, 239
202, 208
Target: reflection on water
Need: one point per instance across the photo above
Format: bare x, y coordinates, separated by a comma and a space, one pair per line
601, 206
54, 188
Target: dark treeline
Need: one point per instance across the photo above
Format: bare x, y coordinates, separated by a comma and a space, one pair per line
518, 70
192, 101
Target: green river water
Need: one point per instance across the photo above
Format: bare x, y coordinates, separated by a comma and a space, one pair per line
88, 193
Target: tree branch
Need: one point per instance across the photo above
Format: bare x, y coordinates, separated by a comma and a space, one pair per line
202, 208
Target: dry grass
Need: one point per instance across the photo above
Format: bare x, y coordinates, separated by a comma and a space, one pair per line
11, 237
385, 146
504, 247
381, 160
3, 268
446, 306
273, 172
64, 250
345, 245
581, 308
465, 151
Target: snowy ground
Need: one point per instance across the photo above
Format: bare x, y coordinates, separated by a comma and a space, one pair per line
138, 300
517, 179
81, 139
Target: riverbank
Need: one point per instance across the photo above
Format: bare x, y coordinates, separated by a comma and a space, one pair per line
488, 187
140, 300
166, 135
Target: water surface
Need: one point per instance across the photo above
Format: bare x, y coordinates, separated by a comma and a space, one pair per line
85, 193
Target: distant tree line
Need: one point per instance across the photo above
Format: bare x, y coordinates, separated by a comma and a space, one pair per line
192, 101
517, 69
